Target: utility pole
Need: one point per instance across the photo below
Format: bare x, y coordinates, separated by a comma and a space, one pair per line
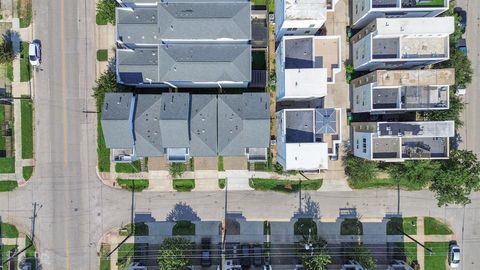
414, 240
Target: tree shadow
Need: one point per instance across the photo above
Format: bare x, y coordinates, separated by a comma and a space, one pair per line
308, 209
182, 211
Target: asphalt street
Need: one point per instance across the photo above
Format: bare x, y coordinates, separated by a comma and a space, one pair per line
75, 208
470, 132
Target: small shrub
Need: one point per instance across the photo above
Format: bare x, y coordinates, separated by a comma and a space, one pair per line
102, 55
221, 183
183, 185
136, 185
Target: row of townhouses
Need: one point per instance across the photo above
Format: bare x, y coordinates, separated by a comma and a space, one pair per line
186, 44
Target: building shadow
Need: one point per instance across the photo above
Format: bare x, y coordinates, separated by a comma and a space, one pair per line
308, 209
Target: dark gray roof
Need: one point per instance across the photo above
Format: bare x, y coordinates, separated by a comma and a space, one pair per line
325, 121
298, 53
299, 126
173, 20
174, 116
116, 121
148, 139
203, 125
185, 62
243, 121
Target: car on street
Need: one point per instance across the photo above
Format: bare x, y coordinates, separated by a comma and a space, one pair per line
463, 18
206, 258
245, 257
257, 255
34, 53
453, 255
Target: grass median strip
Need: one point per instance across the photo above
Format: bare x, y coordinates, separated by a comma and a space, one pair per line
25, 69
133, 167
265, 184
436, 260
136, 185
434, 226
8, 185
407, 225
27, 128
102, 55
102, 151
104, 261
183, 185
27, 172
8, 230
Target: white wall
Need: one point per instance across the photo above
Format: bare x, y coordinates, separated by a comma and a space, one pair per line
362, 98
362, 52
302, 27
360, 8
358, 141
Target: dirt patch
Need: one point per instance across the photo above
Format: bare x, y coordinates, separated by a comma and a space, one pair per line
235, 163
157, 164
205, 163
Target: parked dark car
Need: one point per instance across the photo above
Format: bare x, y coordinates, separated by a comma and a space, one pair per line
462, 46
206, 259
463, 18
257, 255
245, 257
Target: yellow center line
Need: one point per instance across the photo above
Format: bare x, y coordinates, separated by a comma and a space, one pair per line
65, 112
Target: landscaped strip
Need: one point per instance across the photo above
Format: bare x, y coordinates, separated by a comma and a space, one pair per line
284, 185
136, 185
220, 164
221, 183
27, 172
104, 261
125, 255
25, 70
183, 185
5, 253
27, 128
183, 227
7, 165
30, 253
407, 225
139, 229
24, 9
133, 167
103, 152
8, 230
102, 55
434, 226
351, 226
8, 185
436, 260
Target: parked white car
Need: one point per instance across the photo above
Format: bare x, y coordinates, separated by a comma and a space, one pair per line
34, 54
454, 255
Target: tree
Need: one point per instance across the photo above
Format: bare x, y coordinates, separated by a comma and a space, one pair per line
414, 172
453, 112
318, 258
6, 49
174, 254
457, 33
177, 169
359, 169
462, 65
362, 255
106, 11
107, 82
458, 177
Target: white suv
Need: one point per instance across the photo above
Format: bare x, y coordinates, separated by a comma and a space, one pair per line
34, 54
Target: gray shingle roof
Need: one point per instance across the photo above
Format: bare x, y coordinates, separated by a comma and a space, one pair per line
115, 120
186, 62
325, 121
243, 121
173, 20
148, 139
174, 117
203, 125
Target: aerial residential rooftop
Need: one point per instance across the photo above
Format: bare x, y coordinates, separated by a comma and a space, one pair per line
184, 20
116, 119
398, 141
402, 90
305, 65
179, 125
402, 42
185, 63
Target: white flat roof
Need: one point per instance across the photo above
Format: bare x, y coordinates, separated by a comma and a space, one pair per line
412, 26
305, 9
306, 156
310, 82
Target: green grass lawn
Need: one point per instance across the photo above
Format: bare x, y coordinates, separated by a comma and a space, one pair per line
104, 261
100, 20
302, 226
436, 260
27, 128
220, 164
434, 226
8, 185
351, 226
30, 253
271, 6
102, 55
24, 9
25, 69
221, 183
408, 225
140, 229
134, 167
284, 185
439, 3
183, 227
5, 250
409, 249
8, 230
183, 185
27, 172
2, 120
102, 151
125, 255
7, 165
136, 185
258, 60
9, 71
